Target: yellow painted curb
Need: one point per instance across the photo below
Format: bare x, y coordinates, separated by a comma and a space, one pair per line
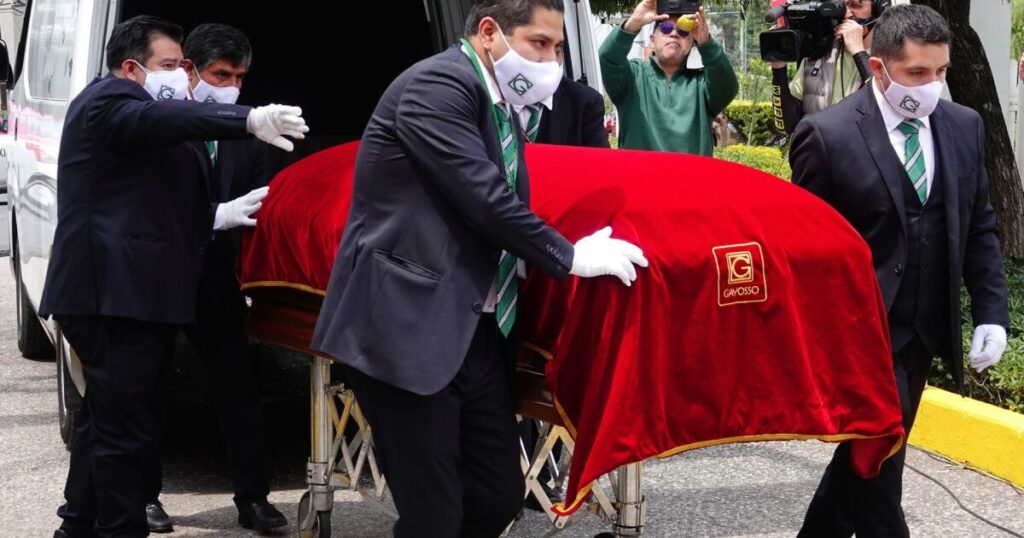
977, 434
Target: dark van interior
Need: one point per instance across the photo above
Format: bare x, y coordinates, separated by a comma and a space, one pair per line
334, 59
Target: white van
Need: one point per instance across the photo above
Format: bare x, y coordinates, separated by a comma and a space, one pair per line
333, 59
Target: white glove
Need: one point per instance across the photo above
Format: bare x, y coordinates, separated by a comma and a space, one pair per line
238, 212
271, 123
599, 254
987, 347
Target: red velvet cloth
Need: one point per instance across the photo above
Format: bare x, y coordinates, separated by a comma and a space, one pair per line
300, 224
759, 317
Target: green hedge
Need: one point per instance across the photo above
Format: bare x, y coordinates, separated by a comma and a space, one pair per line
766, 159
754, 121
1002, 384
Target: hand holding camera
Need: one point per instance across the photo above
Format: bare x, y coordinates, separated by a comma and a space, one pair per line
852, 35
645, 13
700, 28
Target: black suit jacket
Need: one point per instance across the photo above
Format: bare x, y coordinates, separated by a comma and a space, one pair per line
430, 214
843, 155
134, 215
576, 117
241, 167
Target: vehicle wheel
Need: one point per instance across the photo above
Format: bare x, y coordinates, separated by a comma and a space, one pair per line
33, 342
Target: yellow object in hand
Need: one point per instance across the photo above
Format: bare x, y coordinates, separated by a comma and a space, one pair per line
686, 23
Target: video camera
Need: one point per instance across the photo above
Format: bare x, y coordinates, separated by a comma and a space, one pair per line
809, 31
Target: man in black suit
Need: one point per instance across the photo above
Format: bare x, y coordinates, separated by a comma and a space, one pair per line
907, 170
573, 116
131, 239
422, 298
217, 59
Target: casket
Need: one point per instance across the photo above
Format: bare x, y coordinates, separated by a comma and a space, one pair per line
759, 317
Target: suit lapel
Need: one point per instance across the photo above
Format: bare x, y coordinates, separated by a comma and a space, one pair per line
872, 128
943, 132
198, 150
224, 172
559, 103
522, 179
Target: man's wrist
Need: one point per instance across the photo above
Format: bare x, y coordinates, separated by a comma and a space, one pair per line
219, 217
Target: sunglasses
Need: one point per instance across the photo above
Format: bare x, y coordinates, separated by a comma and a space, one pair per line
667, 28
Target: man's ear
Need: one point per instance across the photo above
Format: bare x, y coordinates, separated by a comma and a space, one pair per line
488, 31
876, 67
130, 68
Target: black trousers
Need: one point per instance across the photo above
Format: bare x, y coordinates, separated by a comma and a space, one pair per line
844, 503
114, 442
451, 458
231, 375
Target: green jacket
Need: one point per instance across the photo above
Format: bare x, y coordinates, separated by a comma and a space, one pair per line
660, 114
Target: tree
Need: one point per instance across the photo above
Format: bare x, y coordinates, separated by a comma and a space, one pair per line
1017, 29
612, 6
971, 84
627, 6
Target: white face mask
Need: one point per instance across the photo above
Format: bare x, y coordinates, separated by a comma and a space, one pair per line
166, 85
913, 101
208, 93
523, 82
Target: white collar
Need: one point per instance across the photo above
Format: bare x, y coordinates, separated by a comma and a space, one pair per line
546, 102
492, 85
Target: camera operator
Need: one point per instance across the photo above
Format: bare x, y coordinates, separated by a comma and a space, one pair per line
822, 82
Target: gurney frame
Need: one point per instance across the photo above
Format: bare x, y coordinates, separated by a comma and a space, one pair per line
342, 452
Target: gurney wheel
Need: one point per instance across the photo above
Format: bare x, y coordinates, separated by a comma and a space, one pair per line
323, 525
319, 524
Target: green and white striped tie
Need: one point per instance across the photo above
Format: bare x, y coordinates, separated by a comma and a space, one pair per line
507, 283
913, 157
211, 148
533, 125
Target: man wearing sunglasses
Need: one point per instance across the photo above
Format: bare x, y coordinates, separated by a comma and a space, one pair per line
822, 82
663, 103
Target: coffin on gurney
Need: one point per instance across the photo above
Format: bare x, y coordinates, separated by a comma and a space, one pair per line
759, 317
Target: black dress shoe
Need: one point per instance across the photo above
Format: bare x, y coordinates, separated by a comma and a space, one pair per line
158, 520
259, 515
